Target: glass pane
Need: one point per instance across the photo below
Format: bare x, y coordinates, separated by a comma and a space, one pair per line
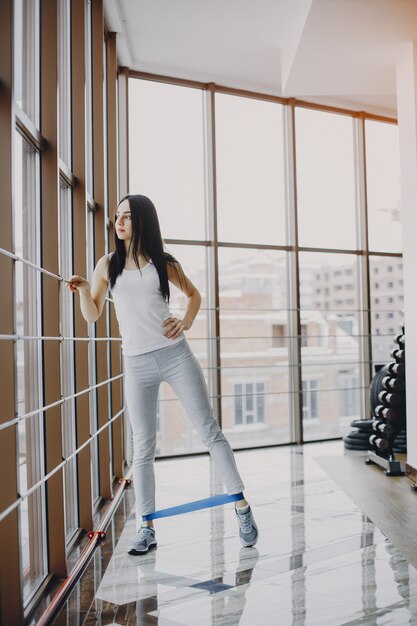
250, 170
33, 541
238, 404
64, 80
29, 365
330, 351
383, 186
325, 179
254, 346
106, 151
176, 434
89, 99
166, 154
387, 305
249, 397
92, 370
260, 406
27, 57
67, 361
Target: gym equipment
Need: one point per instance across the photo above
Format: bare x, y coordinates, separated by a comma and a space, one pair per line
385, 412
392, 414
389, 398
396, 369
382, 427
379, 442
400, 339
395, 383
384, 434
398, 355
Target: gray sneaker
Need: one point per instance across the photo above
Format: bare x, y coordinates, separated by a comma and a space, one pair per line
248, 530
145, 539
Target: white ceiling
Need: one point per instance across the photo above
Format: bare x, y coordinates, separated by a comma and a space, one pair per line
340, 52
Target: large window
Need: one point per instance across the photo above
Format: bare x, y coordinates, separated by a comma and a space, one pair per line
254, 360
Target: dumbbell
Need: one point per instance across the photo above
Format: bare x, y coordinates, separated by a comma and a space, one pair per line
393, 384
378, 442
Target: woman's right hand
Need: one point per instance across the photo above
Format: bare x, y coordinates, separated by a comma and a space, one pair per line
77, 283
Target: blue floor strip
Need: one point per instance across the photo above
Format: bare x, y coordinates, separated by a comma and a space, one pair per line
206, 503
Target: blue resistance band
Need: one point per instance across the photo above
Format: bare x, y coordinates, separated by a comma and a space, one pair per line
194, 506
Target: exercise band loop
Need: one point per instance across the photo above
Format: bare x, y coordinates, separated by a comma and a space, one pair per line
206, 503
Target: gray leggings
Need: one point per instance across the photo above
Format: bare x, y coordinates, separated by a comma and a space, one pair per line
178, 366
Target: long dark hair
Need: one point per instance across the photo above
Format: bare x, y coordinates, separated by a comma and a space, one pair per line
146, 234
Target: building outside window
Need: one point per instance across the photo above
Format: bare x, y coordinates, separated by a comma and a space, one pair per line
249, 403
278, 336
252, 279
304, 336
310, 399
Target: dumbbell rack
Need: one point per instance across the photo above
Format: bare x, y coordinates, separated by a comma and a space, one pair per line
384, 413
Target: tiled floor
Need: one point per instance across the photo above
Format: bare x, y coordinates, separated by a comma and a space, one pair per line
319, 560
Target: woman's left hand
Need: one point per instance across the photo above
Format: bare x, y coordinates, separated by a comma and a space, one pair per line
175, 326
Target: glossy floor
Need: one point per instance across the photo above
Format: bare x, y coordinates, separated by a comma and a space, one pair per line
319, 560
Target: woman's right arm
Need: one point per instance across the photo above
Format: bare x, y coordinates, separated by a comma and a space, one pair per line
91, 302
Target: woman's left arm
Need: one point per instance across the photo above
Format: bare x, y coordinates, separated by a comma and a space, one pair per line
174, 325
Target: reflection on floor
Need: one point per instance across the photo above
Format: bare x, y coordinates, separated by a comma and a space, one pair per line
319, 560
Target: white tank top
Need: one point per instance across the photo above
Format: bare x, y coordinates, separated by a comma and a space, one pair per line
140, 310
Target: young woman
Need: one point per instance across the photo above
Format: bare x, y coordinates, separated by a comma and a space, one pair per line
155, 349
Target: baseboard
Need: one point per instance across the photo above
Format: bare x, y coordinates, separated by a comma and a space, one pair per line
411, 472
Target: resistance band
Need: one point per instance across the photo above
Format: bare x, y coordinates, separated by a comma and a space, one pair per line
194, 506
